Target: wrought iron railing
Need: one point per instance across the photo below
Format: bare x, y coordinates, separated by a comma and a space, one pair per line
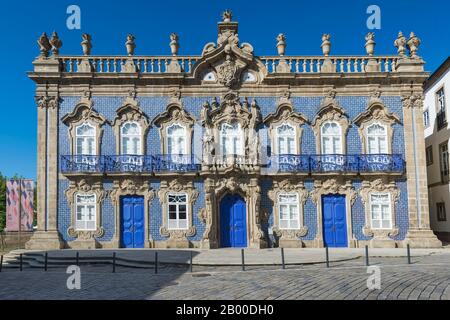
309, 164
175, 163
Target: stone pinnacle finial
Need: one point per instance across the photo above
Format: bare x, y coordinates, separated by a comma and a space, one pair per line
130, 44
400, 44
413, 45
326, 44
174, 45
281, 44
86, 44
56, 43
226, 16
44, 45
370, 43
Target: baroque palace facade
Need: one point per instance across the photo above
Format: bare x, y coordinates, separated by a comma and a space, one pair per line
230, 149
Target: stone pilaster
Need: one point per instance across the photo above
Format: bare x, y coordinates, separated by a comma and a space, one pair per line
419, 232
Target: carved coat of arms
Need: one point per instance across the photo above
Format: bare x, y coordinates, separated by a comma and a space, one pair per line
226, 73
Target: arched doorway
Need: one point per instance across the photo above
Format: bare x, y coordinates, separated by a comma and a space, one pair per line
233, 221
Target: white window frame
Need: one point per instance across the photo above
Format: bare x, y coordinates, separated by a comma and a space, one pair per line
332, 136
289, 205
174, 137
126, 135
286, 136
85, 138
426, 118
440, 98
378, 137
236, 133
380, 204
177, 220
84, 224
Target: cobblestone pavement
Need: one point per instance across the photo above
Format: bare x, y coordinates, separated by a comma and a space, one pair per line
427, 277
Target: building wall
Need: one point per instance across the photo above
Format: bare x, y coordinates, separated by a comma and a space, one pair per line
153, 106
438, 191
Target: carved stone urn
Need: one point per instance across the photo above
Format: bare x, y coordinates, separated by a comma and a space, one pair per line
281, 44
413, 45
370, 43
326, 45
174, 44
86, 44
130, 45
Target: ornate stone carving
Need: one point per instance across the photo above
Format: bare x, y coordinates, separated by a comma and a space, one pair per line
85, 187
46, 101
288, 186
130, 111
174, 45
376, 112
334, 186
413, 45
285, 114
326, 44
177, 186
85, 113
281, 44
330, 111
130, 44
174, 114
56, 43
413, 100
227, 15
227, 72
44, 45
370, 43
400, 44
86, 44
379, 186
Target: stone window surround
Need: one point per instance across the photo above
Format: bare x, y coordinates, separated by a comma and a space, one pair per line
130, 112
186, 203
375, 187
334, 186
376, 112
177, 237
289, 187
175, 114
88, 188
76, 195
84, 113
285, 114
331, 112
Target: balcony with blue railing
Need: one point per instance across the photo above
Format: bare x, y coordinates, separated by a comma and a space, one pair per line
289, 163
175, 163
375, 163
128, 163
329, 163
82, 164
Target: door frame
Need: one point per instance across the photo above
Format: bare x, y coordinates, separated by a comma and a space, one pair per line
139, 188
121, 219
346, 222
219, 222
333, 186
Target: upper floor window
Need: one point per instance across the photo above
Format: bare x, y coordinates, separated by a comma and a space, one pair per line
380, 208
131, 138
426, 118
429, 155
377, 139
85, 139
289, 211
85, 212
178, 214
176, 139
331, 133
286, 139
231, 139
440, 96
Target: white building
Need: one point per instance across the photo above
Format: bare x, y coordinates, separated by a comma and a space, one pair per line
437, 135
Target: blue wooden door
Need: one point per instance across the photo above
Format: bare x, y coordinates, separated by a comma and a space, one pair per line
334, 220
132, 229
233, 226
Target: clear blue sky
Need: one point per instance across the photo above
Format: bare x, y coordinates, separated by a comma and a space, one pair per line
303, 23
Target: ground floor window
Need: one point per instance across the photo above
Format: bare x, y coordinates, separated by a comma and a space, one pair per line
86, 212
441, 214
289, 211
380, 207
177, 211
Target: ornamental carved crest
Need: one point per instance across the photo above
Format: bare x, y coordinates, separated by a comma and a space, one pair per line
227, 72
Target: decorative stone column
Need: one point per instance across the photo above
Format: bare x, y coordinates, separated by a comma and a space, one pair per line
419, 233
47, 236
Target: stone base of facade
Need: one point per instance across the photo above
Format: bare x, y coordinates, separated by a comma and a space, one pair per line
84, 244
422, 239
382, 243
173, 244
45, 240
290, 243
